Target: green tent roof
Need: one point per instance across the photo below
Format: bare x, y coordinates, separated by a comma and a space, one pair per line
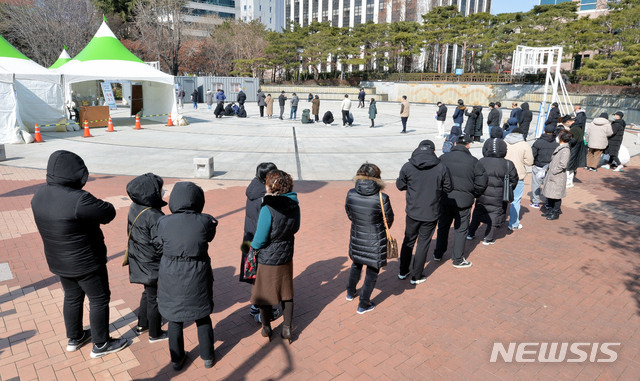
105, 46
63, 59
8, 50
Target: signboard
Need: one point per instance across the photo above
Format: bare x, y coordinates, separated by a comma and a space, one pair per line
237, 87
107, 91
459, 71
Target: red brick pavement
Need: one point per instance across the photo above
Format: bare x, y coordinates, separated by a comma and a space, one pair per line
571, 280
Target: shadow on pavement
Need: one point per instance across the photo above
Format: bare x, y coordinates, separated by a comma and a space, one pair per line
308, 186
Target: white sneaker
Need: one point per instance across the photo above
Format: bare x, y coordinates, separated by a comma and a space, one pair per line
570, 185
512, 228
606, 166
619, 168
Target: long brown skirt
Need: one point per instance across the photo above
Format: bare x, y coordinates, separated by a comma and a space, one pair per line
273, 284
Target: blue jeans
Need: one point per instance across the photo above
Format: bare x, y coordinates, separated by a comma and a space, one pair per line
514, 212
294, 111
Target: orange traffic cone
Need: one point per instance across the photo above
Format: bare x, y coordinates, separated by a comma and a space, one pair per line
87, 134
37, 137
110, 126
169, 122
138, 126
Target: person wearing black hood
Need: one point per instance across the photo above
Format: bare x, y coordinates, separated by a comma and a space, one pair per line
490, 206
493, 119
554, 116
469, 181
472, 119
255, 192
477, 132
68, 220
145, 193
242, 97
542, 150
577, 147
524, 122
458, 114
368, 242
425, 179
615, 141
185, 282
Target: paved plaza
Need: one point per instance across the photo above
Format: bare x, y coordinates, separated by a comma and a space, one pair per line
573, 280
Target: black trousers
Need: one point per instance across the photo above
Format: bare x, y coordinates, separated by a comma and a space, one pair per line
404, 122
493, 221
281, 111
554, 204
422, 231
205, 339
316, 116
261, 111
148, 314
613, 160
96, 287
345, 117
266, 313
370, 278
460, 219
361, 103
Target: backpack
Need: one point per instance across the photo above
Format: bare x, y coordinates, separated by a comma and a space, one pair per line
446, 146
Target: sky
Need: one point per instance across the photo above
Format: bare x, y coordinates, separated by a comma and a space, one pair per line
507, 6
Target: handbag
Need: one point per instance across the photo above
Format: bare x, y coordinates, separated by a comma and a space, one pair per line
250, 266
392, 244
507, 192
125, 261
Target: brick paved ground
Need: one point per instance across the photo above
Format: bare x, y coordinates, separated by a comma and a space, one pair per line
571, 280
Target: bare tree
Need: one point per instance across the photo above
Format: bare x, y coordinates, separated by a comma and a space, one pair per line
40, 29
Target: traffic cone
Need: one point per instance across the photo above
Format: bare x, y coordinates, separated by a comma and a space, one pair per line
169, 122
37, 137
87, 133
110, 126
138, 126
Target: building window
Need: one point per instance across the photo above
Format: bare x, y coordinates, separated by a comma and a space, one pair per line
370, 6
345, 18
325, 10
357, 13
288, 9
381, 7
296, 12
314, 8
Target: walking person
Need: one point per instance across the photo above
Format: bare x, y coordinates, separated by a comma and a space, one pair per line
526, 116
615, 141
315, 108
262, 102
458, 114
209, 99
185, 282
269, 103
493, 119
345, 106
521, 155
361, 96
404, 113
577, 146
555, 183
68, 220
373, 111
255, 193
194, 98
365, 206
281, 101
145, 192
425, 179
294, 106
469, 180
597, 139
472, 119
278, 222
542, 149
490, 207
181, 95
441, 117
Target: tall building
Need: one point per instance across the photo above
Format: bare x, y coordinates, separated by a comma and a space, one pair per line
268, 12
597, 6
202, 14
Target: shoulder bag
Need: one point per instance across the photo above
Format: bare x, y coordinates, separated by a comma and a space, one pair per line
392, 244
507, 192
125, 262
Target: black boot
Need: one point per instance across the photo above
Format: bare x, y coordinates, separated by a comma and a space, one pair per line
553, 216
287, 312
265, 316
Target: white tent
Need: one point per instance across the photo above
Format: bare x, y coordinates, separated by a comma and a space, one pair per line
35, 90
105, 58
8, 110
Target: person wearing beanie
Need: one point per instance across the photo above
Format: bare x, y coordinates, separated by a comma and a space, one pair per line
520, 154
615, 141
542, 150
425, 179
597, 139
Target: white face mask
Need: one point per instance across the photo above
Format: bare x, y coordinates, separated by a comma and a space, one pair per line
162, 192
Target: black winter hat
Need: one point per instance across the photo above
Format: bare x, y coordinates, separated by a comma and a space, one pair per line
604, 115
463, 140
427, 143
566, 118
619, 113
550, 128
517, 130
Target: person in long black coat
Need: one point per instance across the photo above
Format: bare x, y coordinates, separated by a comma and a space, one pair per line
68, 220
615, 141
185, 284
242, 97
554, 115
477, 133
490, 207
470, 127
368, 242
524, 122
578, 150
144, 257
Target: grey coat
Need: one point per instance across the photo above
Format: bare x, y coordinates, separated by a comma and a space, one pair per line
262, 99
555, 183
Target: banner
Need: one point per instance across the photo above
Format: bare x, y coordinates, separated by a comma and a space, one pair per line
107, 91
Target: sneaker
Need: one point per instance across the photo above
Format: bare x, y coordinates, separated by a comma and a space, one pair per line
534, 205
350, 297
418, 281
140, 330
512, 228
487, 242
163, 336
111, 346
365, 310
470, 237
74, 344
208, 364
437, 259
606, 166
593, 169
570, 185
403, 276
463, 264
619, 168
403, 132
253, 311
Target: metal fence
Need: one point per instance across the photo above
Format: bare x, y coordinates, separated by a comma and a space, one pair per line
230, 85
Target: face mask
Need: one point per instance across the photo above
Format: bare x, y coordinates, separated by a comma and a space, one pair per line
162, 192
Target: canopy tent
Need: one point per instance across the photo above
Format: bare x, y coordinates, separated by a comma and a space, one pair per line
63, 59
36, 92
8, 109
105, 58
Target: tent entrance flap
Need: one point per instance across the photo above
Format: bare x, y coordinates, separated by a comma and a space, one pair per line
136, 99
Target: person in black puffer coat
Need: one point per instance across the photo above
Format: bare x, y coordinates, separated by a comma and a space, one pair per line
477, 132
242, 97
577, 147
472, 119
524, 122
368, 242
554, 116
490, 207
542, 150
68, 220
615, 141
185, 284
144, 257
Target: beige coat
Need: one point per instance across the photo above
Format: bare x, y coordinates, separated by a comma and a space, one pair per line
555, 183
315, 106
598, 132
269, 101
519, 152
404, 108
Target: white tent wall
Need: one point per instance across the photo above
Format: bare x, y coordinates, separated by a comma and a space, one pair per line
126, 93
40, 102
9, 118
158, 99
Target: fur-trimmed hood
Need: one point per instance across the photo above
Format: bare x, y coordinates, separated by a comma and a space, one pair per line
367, 186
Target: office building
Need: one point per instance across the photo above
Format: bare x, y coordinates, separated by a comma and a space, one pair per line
587, 6
203, 14
268, 12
